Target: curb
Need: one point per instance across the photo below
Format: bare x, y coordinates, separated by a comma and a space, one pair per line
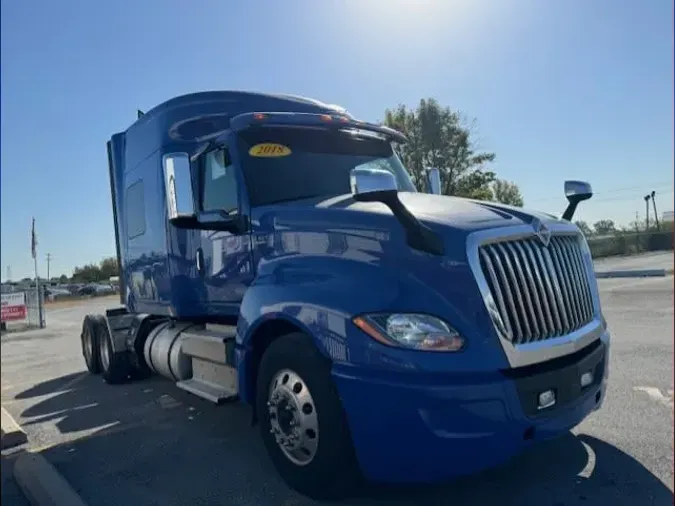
42, 484
11, 434
644, 273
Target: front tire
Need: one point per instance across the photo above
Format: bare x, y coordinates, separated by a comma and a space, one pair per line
302, 422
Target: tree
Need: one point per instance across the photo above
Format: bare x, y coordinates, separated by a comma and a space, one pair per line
109, 268
585, 229
506, 192
87, 274
604, 227
92, 273
437, 137
63, 279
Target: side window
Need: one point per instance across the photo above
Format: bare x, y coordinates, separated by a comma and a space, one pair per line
219, 189
135, 210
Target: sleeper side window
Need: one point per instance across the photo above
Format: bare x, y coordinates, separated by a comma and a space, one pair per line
219, 187
135, 210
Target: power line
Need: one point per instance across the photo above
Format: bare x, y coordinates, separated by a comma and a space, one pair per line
615, 198
610, 195
626, 198
641, 187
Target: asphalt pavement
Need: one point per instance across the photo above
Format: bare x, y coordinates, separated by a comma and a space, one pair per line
149, 443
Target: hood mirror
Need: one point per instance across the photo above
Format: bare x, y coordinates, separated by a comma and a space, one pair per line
371, 181
575, 191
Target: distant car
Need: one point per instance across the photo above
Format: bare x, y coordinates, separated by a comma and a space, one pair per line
87, 290
96, 289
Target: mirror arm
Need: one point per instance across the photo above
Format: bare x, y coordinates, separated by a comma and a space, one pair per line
238, 224
418, 235
571, 209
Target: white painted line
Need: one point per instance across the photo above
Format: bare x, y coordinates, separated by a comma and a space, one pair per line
656, 395
588, 469
11, 433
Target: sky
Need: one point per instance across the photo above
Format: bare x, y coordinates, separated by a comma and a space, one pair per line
572, 89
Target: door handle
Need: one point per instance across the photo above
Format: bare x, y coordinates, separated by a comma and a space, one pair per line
200, 261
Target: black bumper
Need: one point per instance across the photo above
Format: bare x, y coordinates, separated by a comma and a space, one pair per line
563, 376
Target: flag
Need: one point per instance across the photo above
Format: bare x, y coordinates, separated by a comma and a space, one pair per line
33, 241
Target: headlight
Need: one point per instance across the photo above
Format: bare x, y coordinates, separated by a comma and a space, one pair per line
413, 331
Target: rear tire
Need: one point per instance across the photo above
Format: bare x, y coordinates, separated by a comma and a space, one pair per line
115, 367
318, 458
89, 339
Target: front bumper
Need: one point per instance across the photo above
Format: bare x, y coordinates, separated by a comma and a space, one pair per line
424, 430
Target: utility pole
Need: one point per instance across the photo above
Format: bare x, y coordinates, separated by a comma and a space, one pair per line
656, 216
647, 207
49, 259
637, 221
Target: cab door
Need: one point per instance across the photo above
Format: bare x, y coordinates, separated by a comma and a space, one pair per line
224, 259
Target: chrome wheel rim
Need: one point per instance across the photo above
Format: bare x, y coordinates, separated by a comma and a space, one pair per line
293, 418
88, 346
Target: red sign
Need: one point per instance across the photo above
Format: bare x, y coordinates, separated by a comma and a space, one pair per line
13, 306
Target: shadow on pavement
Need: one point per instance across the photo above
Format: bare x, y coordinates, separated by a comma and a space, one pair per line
150, 443
48, 387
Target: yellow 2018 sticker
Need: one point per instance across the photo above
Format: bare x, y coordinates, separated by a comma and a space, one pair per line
269, 150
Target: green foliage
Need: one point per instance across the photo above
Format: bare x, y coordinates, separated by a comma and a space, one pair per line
437, 137
604, 227
584, 227
631, 241
506, 192
93, 273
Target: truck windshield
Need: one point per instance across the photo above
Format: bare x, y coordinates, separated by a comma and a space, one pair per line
285, 164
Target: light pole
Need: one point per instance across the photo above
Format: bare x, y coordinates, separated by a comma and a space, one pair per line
647, 207
656, 216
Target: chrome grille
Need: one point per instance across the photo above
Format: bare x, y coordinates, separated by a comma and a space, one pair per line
540, 292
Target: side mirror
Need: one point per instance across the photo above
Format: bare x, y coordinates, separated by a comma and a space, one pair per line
178, 181
370, 185
180, 203
434, 180
378, 185
575, 191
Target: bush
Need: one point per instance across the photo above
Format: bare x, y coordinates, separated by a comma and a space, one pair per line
626, 242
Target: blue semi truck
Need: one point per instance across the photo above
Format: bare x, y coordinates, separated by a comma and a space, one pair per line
274, 250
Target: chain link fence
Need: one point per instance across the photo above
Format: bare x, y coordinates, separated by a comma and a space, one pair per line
34, 310
626, 242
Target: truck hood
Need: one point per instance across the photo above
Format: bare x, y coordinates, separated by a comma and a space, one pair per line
452, 212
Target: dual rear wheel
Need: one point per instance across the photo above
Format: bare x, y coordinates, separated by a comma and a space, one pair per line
98, 351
